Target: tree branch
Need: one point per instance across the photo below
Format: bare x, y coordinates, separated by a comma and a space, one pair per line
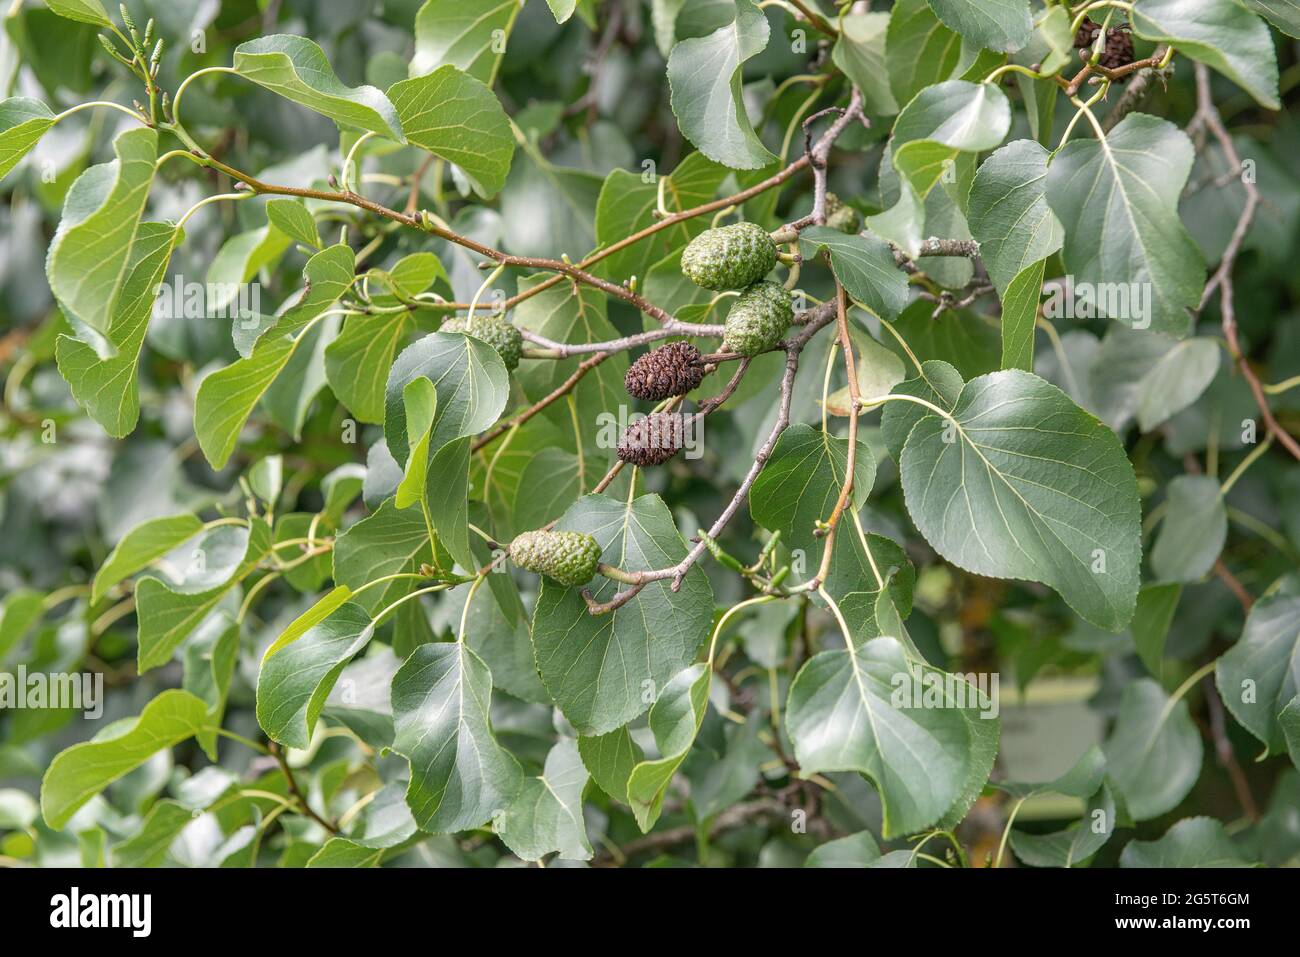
738, 815
814, 18
561, 269
1071, 86
934, 246
674, 327
1234, 585
1224, 752
1207, 114
297, 794
818, 154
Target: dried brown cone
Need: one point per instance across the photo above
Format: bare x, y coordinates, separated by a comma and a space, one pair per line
673, 369
1086, 34
1118, 51
652, 440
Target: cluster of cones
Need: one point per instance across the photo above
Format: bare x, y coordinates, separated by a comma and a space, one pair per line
671, 370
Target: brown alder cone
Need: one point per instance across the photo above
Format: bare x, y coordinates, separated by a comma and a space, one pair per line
673, 369
1118, 51
652, 440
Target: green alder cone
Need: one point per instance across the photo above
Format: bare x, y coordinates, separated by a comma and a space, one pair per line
842, 217
502, 336
759, 319
569, 558
730, 257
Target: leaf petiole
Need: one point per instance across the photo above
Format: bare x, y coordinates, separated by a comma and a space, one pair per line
209, 200
727, 616
108, 103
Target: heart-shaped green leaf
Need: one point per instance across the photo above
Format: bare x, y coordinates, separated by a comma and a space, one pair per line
142, 545
168, 613
298, 673
470, 381
801, 481
1193, 530
1117, 198
675, 721
1019, 482
470, 36
83, 11
845, 714
941, 123
864, 265
107, 388
860, 53
226, 398
1283, 14
292, 218
1009, 214
919, 49
390, 541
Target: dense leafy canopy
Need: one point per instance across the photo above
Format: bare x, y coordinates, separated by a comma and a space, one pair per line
1014, 498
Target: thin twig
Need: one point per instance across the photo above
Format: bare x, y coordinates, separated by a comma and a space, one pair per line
674, 327
1071, 86
1207, 114
818, 154
733, 817
298, 795
1234, 585
934, 246
713, 404
563, 389
815, 18
561, 268
413, 198
1224, 752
